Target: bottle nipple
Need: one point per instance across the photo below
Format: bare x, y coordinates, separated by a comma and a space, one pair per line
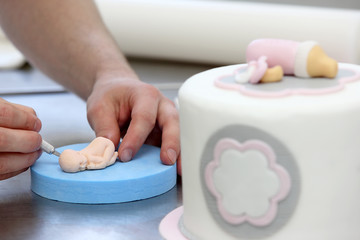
321, 65
274, 74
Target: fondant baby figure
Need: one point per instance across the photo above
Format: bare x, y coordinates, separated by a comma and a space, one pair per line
100, 153
270, 59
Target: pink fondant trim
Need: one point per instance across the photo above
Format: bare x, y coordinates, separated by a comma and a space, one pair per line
169, 225
284, 177
287, 92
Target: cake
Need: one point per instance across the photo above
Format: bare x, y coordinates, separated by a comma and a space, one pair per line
275, 159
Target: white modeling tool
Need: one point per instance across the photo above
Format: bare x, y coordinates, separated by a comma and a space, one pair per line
48, 148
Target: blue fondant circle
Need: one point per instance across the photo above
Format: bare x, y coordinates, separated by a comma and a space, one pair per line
143, 177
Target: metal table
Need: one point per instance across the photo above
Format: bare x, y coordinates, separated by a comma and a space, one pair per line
25, 215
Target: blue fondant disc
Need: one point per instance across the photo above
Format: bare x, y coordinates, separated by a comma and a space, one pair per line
143, 177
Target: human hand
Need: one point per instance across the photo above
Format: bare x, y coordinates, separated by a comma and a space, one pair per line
138, 113
20, 141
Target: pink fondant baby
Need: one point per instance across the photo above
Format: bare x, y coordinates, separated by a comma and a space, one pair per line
269, 59
100, 153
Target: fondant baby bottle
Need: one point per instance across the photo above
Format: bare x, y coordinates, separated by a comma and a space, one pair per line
302, 59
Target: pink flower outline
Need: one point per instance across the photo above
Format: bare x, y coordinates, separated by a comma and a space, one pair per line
284, 177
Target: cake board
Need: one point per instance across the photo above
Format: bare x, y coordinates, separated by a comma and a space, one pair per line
169, 225
145, 176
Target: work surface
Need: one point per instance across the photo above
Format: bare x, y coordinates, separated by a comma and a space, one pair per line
25, 215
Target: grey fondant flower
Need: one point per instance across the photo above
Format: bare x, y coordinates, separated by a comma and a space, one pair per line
246, 181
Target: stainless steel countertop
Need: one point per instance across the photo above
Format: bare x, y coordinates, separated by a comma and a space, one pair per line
25, 215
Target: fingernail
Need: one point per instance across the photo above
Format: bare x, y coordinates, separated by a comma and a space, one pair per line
172, 155
126, 155
37, 125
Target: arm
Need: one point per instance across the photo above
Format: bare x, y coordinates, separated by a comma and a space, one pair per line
67, 40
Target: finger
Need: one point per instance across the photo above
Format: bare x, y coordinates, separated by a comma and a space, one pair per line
21, 107
169, 123
12, 174
16, 140
13, 162
143, 119
103, 120
13, 116
25, 108
178, 165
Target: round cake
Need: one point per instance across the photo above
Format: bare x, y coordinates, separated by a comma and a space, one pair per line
275, 161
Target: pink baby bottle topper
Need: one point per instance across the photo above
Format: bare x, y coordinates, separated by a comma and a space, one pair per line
270, 59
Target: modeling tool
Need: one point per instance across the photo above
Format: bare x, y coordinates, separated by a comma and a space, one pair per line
48, 148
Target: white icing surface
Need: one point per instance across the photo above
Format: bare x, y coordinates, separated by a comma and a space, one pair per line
100, 153
321, 131
252, 182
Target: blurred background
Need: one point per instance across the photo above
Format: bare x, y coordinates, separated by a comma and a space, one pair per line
217, 32
167, 42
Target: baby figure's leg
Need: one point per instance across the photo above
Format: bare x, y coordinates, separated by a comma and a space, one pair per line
113, 158
96, 162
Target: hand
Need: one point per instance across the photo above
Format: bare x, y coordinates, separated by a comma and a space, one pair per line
20, 141
138, 113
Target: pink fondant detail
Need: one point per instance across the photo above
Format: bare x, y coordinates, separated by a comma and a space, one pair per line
278, 52
169, 226
260, 69
284, 177
287, 92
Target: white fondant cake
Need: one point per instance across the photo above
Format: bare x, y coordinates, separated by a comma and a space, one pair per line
274, 161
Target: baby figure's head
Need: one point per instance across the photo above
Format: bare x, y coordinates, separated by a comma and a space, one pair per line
72, 161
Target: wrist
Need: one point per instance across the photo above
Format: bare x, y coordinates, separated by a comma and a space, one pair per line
110, 74
119, 69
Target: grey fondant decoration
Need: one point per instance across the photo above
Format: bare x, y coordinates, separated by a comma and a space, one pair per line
184, 231
286, 207
292, 83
